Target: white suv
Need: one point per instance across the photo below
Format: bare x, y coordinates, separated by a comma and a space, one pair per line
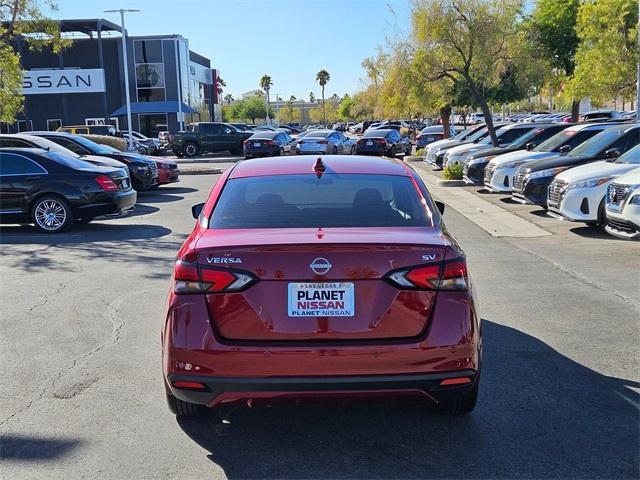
578, 194
623, 206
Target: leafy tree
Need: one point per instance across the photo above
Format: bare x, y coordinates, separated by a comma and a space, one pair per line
21, 19
254, 108
553, 33
344, 109
607, 56
472, 41
265, 84
323, 77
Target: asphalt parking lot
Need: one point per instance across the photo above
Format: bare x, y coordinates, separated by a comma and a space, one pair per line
82, 393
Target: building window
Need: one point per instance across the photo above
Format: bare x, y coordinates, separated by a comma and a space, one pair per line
148, 51
151, 95
25, 126
150, 124
53, 124
149, 75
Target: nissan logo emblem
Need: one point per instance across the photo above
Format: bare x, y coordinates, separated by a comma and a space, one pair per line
320, 266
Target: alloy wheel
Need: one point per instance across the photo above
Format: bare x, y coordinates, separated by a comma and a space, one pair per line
50, 215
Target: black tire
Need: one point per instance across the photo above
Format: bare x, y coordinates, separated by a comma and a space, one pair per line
459, 404
57, 206
392, 152
602, 216
180, 408
190, 149
281, 152
353, 150
83, 221
334, 150
235, 151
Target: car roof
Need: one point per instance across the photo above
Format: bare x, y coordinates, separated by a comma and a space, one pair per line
303, 164
35, 150
46, 132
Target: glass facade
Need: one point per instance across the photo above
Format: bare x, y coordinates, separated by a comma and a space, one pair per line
150, 78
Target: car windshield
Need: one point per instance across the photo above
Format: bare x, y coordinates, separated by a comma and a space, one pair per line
632, 156
264, 135
598, 143
91, 146
524, 139
319, 133
556, 141
479, 135
333, 200
68, 160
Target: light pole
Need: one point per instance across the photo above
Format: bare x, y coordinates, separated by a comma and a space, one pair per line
179, 87
638, 73
126, 69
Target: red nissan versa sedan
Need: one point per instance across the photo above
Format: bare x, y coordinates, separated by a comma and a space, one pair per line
315, 277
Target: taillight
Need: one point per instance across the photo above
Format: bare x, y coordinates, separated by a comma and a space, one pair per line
447, 275
106, 183
323, 142
190, 277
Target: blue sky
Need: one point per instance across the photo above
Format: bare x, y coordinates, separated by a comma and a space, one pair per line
288, 39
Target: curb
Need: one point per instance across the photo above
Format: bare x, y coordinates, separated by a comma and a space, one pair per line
210, 171
412, 158
451, 183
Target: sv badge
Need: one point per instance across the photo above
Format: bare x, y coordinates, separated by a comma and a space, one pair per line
429, 257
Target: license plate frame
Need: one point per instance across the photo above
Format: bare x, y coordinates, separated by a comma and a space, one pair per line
306, 299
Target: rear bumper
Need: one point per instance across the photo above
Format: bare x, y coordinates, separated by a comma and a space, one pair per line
108, 204
227, 389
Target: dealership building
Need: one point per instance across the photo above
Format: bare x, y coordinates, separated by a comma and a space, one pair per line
84, 84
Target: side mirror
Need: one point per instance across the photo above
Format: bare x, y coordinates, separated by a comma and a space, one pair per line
565, 149
440, 206
196, 210
530, 146
612, 153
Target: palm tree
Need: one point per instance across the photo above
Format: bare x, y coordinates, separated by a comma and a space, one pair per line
322, 77
312, 97
228, 98
265, 84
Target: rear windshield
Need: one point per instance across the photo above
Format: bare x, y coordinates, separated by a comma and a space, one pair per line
306, 201
376, 133
69, 161
264, 135
319, 133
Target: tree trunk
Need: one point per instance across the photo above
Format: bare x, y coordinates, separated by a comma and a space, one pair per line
484, 106
324, 113
445, 117
575, 110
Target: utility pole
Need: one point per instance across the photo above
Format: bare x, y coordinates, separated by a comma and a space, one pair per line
122, 11
638, 72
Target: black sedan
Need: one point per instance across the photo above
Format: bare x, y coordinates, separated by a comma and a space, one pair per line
532, 180
23, 140
53, 190
475, 164
383, 142
143, 171
267, 144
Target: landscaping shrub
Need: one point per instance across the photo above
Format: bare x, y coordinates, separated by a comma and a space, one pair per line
115, 142
453, 172
420, 152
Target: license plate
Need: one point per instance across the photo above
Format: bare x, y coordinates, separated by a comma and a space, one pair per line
256, 144
321, 300
369, 142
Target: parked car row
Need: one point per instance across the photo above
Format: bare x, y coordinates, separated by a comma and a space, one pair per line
585, 172
56, 179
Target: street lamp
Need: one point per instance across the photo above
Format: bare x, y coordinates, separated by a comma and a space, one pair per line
126, 68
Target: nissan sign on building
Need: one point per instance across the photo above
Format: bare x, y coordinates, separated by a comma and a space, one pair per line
73, 80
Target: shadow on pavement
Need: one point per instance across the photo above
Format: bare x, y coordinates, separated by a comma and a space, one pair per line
33, 448
593, 232
540, 415
157, 197
80, 234
174, 190
141, 209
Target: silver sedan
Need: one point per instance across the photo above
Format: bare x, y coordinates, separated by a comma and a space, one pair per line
327, 142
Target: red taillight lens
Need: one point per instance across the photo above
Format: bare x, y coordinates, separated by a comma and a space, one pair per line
106, 183
189, 385
189, 277
450, 275
323, 142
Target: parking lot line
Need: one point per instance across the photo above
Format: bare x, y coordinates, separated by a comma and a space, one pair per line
495, 220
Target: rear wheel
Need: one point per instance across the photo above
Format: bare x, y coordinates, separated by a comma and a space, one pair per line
180, 408
51, 214
334, 150
392, 152
461, 404
190, 149
353, 150
281, 151
235, 151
